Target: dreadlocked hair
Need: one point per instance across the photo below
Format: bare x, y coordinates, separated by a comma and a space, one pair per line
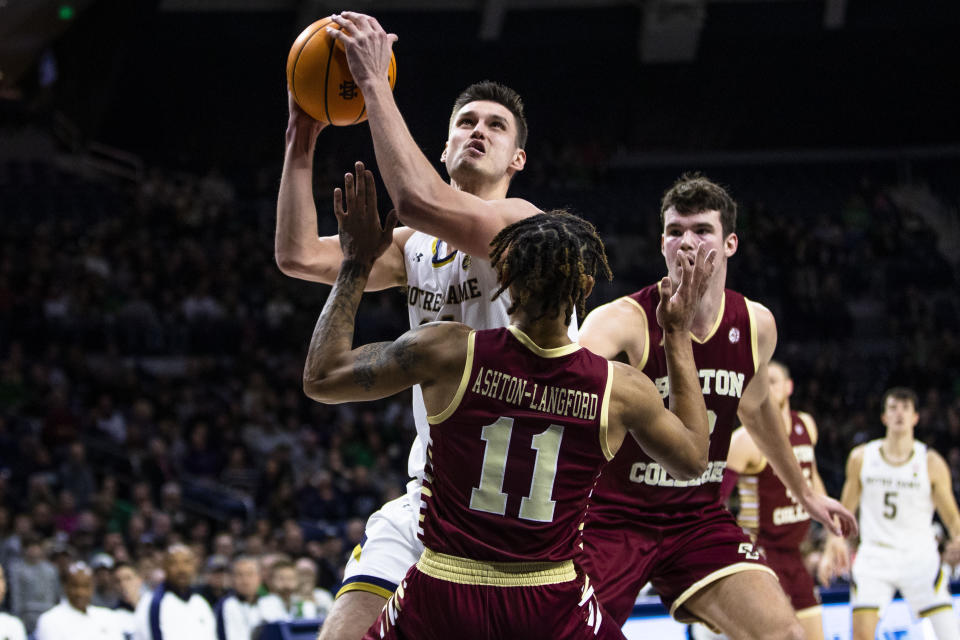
548, 258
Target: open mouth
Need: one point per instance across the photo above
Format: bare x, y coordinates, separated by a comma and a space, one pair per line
477, 146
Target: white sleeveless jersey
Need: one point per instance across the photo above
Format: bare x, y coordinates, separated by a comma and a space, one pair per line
896, 505
453, 286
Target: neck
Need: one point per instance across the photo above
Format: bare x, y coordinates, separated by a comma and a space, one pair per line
898, 446
709, 307
80, 609
547, 333
785, 412
483, 189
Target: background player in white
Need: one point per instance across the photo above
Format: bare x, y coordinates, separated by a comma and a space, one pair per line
897, 482
484, 150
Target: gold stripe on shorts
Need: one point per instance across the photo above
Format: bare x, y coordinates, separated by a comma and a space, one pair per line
494, 574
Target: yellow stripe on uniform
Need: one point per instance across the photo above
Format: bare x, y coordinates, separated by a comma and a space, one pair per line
367, 587
605, 414
464, 379
494, 574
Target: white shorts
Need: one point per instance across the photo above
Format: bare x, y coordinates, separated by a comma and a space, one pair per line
917, 574
389, 548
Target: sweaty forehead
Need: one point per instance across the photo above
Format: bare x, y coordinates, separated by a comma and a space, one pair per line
486, 109
672, 217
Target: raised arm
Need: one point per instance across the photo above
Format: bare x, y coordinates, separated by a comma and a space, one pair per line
298, 249
945, 503
336, 372
678, 439
423, 200
762, 419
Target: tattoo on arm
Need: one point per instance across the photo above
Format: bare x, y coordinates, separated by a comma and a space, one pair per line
371, 358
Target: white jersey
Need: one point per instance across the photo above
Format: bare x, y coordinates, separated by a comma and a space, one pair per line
453, 286
896, 504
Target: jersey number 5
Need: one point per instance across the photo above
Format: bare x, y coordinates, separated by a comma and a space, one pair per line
489, 496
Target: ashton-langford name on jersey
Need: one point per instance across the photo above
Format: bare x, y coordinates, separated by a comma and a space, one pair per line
558, 401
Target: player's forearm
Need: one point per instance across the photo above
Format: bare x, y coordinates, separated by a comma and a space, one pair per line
766, 428
686, 395
333, 335
296, 235
410, 178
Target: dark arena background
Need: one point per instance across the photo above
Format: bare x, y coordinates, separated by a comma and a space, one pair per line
151, 351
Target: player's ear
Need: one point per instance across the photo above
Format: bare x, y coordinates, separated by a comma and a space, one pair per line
443, 154
519, 160
588, 282
730, 244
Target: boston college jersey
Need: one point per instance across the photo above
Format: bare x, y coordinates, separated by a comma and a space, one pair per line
514, 456
449, 285
767, 506
633, 484
896, 506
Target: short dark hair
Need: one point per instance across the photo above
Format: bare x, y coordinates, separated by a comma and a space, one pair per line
783, 367
549, 255
900, 393
693, 193
494, 92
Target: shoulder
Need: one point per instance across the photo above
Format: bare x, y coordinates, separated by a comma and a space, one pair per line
857, 454
513, 209
631, 387
402, 235
766, 325
810, 424
744, 455
623, 314
936, 465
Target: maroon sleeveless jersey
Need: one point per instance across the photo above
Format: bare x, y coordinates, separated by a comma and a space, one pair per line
512, 460
633, 485
781, 523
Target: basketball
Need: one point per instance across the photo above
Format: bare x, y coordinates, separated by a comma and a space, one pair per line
320, 80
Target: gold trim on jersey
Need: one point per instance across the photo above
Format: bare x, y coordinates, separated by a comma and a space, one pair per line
809, 612
754, 340
426, 491
605, 413
494, 574
939, 581
716, 323
896, 464
935, 609
646, 340
555, 352
464, 380
364, 586
436, 260
713, 577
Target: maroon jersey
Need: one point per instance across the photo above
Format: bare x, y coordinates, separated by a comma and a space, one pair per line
512, 460
633, 485
768, 507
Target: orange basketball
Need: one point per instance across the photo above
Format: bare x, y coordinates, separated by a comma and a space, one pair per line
320, 80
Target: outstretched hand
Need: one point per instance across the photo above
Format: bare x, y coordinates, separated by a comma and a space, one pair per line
835, 561
678, 308
366, 43
362, 239
832, 515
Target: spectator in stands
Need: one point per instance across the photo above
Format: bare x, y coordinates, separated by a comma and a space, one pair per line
283, 602
11, 628
307, 589
224, 545
216, 579
131, 589
77, 475
104, 586
76, 617
34, 584
174, 611
239, 613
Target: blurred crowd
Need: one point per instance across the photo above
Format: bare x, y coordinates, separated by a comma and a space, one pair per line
151, 357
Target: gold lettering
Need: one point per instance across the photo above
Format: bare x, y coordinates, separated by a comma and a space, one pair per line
476, 383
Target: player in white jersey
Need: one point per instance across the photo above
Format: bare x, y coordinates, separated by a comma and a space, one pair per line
897, 483
443, 263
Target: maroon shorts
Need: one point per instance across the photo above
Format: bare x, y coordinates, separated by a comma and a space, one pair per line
679, 556
427, 607
794, 578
